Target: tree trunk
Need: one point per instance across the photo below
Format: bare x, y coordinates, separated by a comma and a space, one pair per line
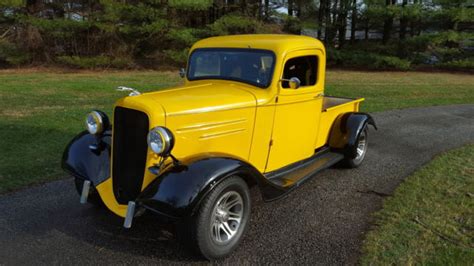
290, 7
256, 7
267, 9
331, 21
342, 22
322, 4
403, 21
243, 6
353, 20
413, 22
388, 24
33, 6
298, 8
367, 28
327, 24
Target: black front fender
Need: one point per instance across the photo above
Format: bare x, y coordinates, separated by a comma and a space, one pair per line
346, 130
177, 192
89, 164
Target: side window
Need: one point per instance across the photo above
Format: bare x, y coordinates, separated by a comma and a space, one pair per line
304, 68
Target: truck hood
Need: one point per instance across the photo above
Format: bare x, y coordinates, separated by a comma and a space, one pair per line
206, 97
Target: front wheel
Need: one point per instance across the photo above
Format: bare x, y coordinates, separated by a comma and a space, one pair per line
361, 150
221, 219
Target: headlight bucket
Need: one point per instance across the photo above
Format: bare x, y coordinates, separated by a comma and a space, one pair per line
160, 140
97, 122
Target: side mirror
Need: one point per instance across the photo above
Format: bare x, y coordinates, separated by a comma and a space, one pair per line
182, 72
293, 82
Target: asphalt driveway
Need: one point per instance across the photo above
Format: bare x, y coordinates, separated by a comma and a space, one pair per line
323, 222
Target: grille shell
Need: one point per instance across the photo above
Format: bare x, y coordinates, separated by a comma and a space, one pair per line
129, 153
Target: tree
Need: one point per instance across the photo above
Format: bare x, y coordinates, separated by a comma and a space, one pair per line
388, 23
33, 6
353, 20
403, 20
320, 21
328, 34
344, 7
290, 7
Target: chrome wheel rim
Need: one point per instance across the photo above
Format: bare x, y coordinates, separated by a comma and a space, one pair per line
227, 217
361, 147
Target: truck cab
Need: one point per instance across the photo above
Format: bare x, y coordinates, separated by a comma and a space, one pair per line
251, 112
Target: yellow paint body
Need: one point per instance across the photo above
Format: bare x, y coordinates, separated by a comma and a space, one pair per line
267, 127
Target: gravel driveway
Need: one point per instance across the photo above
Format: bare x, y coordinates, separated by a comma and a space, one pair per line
322, 222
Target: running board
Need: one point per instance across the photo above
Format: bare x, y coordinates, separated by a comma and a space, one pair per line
295, 174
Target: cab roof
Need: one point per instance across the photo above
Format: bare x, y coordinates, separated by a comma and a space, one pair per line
278, 43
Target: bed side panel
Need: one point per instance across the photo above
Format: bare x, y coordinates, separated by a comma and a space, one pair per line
329, 115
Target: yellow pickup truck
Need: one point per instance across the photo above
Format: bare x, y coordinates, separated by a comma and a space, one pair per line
251, 112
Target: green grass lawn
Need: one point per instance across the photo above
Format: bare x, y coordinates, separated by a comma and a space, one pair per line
40, 111
430, 218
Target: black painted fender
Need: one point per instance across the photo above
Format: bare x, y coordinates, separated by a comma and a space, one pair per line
89, 164
177, 192
346, 130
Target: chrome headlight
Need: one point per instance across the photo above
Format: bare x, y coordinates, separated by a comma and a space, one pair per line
160, 140
96, 122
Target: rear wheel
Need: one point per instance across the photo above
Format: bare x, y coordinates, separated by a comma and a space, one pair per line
93, 197
221, 219
361, 150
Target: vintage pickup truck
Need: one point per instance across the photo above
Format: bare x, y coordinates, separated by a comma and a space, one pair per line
251, 112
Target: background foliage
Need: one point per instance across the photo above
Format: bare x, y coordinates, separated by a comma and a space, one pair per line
373, 34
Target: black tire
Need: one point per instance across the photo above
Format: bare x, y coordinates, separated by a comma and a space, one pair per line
354, 162
93, 197
201, 229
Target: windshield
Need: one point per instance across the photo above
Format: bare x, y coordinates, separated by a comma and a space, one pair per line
245, 65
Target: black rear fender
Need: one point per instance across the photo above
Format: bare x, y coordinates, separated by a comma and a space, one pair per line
346, 130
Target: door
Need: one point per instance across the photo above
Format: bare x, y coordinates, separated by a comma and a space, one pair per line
297, 111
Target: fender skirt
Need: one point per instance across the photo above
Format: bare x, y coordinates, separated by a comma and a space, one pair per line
88, 157
346, 130
177, 192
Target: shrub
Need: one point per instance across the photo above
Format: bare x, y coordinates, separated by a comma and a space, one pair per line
184, 37
464, 64
366, 60
11, 54
58, 28
447, 54
177, 56
423, 58
418, 43
391, 62
235, 24
11, 3
196, 5
271, 28
434, 48
95, 62
447, 39
334, 56
292, 25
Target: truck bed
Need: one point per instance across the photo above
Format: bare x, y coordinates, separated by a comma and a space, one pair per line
331, 109
330, 101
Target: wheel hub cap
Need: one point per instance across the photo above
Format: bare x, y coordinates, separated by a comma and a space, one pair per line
222, 216
361, 147
226, 217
